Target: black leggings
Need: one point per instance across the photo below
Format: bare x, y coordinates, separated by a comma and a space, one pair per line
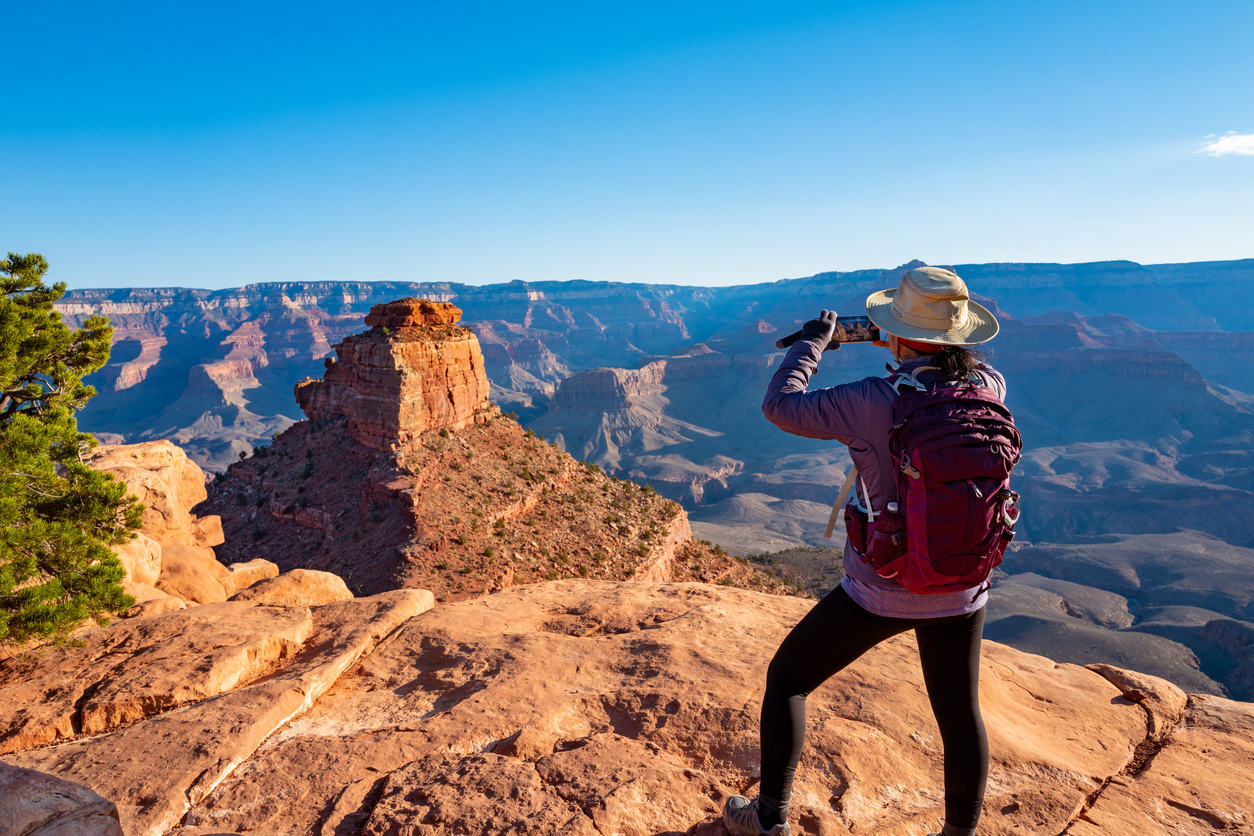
834, 634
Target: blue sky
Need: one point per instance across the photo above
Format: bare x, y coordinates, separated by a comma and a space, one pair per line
213, 145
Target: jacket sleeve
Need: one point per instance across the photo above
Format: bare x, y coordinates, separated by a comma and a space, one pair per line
839, 412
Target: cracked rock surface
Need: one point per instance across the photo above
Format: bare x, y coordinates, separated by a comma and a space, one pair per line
631, 708
595, 707
160, 759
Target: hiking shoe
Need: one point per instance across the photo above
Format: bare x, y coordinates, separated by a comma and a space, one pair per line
740, 815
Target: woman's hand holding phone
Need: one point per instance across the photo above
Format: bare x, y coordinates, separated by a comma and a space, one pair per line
820, 330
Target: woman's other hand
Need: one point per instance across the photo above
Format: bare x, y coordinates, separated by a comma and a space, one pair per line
819, 330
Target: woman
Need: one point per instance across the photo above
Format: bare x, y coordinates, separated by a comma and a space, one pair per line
929, 321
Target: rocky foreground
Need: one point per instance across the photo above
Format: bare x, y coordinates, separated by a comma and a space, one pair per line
577, 707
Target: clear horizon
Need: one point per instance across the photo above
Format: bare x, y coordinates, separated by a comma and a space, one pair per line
631, 281
155, 146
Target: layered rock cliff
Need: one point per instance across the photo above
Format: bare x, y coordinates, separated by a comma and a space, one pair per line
212, 369
415, 370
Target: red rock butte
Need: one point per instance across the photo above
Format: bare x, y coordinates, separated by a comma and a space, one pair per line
415, 370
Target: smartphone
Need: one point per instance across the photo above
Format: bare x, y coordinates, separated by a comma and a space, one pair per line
849, 329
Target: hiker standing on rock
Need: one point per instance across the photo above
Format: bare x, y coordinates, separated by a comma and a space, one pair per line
929, 516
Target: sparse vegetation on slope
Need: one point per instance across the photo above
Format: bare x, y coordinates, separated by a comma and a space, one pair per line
460, 513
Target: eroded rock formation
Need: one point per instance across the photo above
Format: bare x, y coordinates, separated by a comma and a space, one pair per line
463, 514
406, 476
415, 370
170, 562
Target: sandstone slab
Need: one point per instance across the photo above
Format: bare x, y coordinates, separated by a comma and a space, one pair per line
141, 667
1199, 782
203, 743
1163, 701
35, 804
637, 704
248, 573
297, 588
151, 604
479, 793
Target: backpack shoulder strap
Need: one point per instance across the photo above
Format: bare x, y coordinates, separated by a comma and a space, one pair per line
840, 500
898, 378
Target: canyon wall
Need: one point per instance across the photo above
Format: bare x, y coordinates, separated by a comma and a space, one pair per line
212, 370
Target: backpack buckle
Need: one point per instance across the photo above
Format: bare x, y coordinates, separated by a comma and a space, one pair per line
1010, 509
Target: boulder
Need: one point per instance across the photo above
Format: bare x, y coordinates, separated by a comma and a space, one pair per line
35, 804
527, 745
142, 592
150, 601
164, 479
156, 606
244, 575
297, 588
194, 574
207, 531
141, 558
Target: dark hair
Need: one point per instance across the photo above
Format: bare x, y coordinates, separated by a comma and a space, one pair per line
957, 361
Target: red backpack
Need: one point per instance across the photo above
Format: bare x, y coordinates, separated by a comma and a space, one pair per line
955, 444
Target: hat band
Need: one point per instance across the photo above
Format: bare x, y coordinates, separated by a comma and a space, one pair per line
922, 348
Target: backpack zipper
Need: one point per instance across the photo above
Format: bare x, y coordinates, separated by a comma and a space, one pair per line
966, 538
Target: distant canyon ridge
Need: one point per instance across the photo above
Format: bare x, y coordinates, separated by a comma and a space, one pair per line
1133, 385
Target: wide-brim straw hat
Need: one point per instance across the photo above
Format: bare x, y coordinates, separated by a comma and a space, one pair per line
931, 305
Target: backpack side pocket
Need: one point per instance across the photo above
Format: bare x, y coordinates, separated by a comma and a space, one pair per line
886, 544
856, 529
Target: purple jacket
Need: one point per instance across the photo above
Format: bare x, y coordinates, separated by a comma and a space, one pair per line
859, 415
